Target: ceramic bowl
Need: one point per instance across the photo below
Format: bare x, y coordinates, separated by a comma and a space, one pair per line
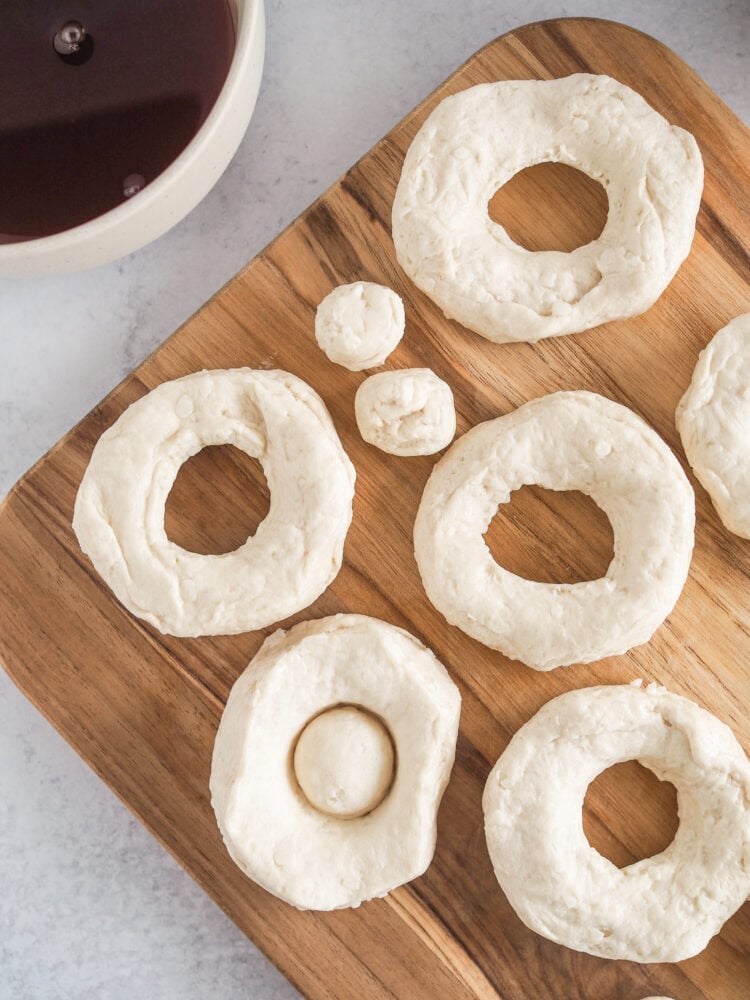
177, 190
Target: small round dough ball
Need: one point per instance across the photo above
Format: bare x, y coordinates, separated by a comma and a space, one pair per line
407, 412
713, 418
343, 762
358, 325
665, 908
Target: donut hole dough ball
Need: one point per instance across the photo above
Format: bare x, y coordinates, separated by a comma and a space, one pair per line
344, 762
564, 441
345, 686
662, 909
358, 325
406, 412
296, 550
713, 419
475, 141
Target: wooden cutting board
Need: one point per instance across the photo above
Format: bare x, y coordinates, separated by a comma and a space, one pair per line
143, 708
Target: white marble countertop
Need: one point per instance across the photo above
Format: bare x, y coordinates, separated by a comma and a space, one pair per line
91, 906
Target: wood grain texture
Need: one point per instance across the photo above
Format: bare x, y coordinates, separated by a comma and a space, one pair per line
143, 708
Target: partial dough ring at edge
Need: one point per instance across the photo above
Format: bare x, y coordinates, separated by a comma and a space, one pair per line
713, 419
665, 908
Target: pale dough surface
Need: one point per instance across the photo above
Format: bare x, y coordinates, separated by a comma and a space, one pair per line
292, 557
563, 441
359, 325
475, 141
343, 762
713, 418
661, 909
304, 856
406, 412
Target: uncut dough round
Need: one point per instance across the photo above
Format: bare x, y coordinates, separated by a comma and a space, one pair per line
406, 412
343, 762
295, 552
475, 141
564, 441
661, 909
713, 418
359, 325
309, 858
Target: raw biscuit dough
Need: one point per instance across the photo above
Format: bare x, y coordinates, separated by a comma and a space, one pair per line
308, 857
296, 551
713, 418
564, 441
475, 141
344, 762
662, 909
406, 412
358, 325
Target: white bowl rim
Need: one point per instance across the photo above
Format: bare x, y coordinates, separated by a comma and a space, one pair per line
250, 19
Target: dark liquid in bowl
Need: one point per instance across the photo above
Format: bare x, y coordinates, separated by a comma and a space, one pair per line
80, 135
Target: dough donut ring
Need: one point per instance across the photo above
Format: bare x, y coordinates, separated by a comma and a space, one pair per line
308, 858
564, 441
661, 909
296, 551
475, 141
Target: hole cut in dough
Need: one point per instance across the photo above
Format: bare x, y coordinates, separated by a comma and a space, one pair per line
568, 208
626, 838
344, 761
519, 533
219, 476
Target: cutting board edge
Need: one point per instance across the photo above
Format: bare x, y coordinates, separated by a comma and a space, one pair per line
281, 959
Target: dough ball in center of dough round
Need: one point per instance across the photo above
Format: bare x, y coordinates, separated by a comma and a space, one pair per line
344, 762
